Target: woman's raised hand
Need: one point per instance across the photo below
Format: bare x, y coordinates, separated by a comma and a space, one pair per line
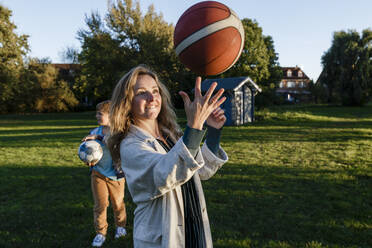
198, 111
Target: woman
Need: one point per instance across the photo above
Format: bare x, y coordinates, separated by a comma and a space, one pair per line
163, 168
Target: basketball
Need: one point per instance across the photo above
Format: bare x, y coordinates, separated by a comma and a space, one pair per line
209, 38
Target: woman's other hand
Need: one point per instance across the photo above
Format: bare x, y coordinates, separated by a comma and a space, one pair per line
217, 118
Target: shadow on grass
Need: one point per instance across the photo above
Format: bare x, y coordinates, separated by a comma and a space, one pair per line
51, 207
49, 137
249, 205
42, 137
260, 205
48, 119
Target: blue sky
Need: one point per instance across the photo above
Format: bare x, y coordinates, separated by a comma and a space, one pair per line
302, 30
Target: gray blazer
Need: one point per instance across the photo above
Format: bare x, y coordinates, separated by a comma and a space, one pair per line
154, 179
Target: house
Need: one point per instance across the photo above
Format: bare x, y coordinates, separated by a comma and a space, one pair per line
240, 93
295, 85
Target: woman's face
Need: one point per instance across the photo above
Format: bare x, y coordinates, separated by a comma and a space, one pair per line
146, 104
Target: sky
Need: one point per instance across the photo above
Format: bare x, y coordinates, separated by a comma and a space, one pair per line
302, 30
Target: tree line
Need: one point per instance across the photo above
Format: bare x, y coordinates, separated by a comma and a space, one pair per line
347, 69
125, 37
28, 84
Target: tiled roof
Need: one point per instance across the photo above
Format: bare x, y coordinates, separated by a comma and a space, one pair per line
295, 71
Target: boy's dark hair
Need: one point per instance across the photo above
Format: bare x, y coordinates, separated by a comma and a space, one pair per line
103, 106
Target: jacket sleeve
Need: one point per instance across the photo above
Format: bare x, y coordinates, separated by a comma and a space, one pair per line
150, 174
212, 162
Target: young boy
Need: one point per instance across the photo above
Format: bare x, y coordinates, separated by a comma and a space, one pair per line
107, 180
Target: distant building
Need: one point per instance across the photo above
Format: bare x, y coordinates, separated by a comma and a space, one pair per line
295, 85
240, 93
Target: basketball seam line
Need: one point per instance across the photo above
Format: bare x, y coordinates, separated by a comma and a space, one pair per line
217, 26
206, 7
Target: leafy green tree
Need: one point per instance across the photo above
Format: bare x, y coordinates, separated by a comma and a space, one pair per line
70, 55
259, 61
12, 49
255, 59
45, 92
275, 71
123, 39
268, 95
101, 59
348, 68
318, 92
150, 41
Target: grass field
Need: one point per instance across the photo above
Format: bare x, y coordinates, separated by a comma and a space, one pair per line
301, 176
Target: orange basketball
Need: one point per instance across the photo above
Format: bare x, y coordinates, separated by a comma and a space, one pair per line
209, 38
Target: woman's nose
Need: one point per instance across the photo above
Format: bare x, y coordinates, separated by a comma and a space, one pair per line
150, 97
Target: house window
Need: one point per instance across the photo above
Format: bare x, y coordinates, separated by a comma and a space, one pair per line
291, 84
289, 73
300, 74
281, 85
302, 84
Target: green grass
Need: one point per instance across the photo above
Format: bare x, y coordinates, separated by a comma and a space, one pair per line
301, 176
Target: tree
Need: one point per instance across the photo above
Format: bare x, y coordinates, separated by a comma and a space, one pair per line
347, 68
45, 92
101, 59
268, 95
149, 40
70, 55
259, 61
122, 40
12, 49
254, 60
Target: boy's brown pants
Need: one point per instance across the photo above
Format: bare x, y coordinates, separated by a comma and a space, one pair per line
102, 188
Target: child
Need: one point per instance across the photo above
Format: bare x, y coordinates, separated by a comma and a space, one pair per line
107, 180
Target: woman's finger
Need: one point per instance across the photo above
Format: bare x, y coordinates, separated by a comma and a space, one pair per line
218, 111
222, 118
185, 97
219, 102
217, 96
219, 116
197, 91
209, 93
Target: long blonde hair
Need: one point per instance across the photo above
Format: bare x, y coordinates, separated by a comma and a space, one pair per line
121, 117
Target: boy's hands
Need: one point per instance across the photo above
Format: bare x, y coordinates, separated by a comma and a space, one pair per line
93, 137
91, 164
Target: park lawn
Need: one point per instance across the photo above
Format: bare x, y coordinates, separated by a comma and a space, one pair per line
300, 176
